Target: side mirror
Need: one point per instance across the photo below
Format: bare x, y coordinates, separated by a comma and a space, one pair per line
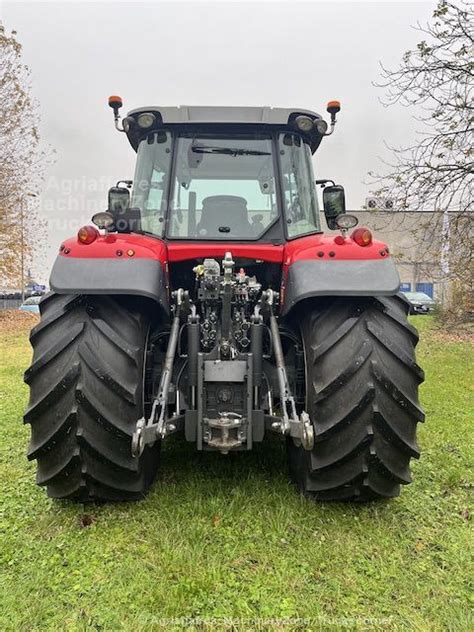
334, 201
126, 219
119, 201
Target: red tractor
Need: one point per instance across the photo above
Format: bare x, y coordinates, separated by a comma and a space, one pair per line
209, 303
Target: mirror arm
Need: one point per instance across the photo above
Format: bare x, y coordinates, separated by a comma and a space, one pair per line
324, 182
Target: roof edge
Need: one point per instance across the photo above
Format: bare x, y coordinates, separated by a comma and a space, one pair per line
224, 114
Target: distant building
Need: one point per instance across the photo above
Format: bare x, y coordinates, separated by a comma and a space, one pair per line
421, 258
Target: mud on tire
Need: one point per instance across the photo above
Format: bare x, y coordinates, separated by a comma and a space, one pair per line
362, 395
86, 393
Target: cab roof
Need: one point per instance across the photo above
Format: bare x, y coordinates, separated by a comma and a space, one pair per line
221, 115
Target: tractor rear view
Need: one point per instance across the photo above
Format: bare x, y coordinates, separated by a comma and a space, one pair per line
209, 303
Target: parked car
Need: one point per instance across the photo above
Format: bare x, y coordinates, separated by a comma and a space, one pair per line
420, 303
31, 305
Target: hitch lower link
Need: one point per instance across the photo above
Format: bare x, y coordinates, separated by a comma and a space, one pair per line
158, 427
299, 428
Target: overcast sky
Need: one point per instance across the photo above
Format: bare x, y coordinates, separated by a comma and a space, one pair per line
287, 54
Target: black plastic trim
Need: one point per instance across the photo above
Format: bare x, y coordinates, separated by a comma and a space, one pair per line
138, 277
311, 278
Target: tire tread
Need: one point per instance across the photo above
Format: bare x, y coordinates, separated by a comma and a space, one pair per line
362, 395
85, 396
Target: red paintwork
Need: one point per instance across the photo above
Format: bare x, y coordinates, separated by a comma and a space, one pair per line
178, 251
153, 248
320, 246
106, 247
310, 247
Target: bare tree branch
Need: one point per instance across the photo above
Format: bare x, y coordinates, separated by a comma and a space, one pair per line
21, 161
436, 173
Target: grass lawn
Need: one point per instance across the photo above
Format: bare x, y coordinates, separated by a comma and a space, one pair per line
229, 538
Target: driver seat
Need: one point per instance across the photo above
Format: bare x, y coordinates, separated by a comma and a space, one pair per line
224, 210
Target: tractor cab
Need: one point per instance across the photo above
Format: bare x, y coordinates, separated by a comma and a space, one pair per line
225, 173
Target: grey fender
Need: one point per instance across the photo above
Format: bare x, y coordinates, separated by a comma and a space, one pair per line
138, 277
312, 278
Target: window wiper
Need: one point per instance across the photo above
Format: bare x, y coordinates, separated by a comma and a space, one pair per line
227, 151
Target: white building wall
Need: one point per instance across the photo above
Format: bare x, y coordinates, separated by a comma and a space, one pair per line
407, 235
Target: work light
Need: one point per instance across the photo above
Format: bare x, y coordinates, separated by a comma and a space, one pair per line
321, 127
103, 220
146, 120
346, 221
304, 123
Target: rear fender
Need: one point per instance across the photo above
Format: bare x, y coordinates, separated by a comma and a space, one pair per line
115, 264
318, 266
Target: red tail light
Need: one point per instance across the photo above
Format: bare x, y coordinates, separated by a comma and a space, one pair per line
362, 236
87, 234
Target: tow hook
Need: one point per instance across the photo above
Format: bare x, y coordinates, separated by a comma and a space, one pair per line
223, 426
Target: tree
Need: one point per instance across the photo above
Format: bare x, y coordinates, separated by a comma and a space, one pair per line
434, 174
21, 161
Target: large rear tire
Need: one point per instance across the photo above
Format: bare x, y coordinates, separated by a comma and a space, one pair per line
362, 397
87, 383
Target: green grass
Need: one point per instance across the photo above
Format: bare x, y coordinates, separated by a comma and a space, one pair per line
227, 538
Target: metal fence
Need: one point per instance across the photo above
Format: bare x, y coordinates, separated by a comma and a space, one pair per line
10, 303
